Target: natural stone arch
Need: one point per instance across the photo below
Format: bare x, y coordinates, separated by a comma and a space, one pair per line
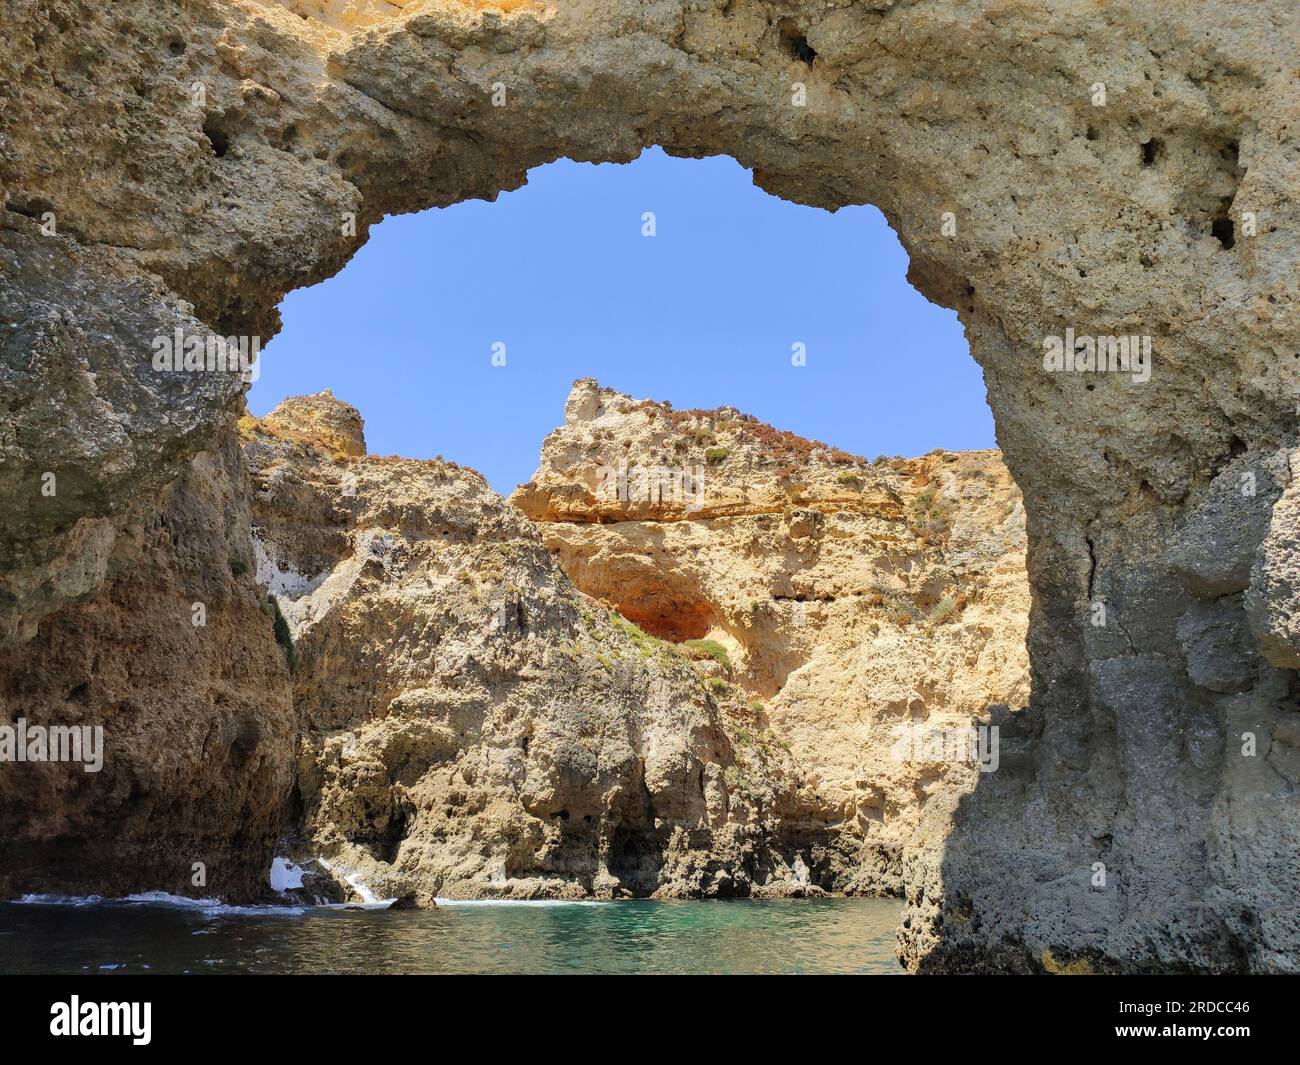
1126, 216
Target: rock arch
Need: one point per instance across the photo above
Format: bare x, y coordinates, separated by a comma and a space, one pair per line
1107, 171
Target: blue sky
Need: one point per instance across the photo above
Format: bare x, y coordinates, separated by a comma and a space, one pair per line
702, 314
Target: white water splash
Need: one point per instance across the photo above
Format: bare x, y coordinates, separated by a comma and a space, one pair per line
162, 900
284, 875
369, 901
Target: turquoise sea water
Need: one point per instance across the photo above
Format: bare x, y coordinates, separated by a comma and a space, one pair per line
787, 936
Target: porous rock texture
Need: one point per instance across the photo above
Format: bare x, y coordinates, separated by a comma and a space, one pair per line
176, 661
472, 726
91, 432
861, 603
1112, 169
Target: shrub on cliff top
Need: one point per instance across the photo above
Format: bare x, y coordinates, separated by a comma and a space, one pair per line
713, 649
932, 515
943, 610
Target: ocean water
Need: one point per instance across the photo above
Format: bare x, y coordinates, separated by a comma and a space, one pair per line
154, 934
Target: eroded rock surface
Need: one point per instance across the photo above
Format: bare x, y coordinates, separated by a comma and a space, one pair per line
473, 725
859, 601
91, 431
1110, 169
176, 661
1273, 597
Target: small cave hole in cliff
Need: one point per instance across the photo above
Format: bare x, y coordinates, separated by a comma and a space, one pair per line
795, 42
218, 138
1223, 231
673, 620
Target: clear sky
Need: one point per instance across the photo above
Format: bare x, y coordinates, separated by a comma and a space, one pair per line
702, 314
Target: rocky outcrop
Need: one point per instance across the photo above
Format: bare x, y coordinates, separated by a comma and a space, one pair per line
860, 602
1183, 761
1110, 170
91, 431
1273, 597
473, 725
174, 661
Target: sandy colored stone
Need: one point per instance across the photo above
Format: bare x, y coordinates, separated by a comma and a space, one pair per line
320, 421
198, 728
475, 727
1273, 598
857, 601
1166, 209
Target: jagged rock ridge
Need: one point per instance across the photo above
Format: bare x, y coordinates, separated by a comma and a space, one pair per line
856, 600
472, 725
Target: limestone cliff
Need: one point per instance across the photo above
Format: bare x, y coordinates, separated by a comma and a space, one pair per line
91, 433
858, 601
1107, 169
175, 659
473, 725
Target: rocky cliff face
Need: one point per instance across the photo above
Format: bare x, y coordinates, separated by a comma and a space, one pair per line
91, 433
473, 725
1111, 170
175, 660
859, 603
718, 716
